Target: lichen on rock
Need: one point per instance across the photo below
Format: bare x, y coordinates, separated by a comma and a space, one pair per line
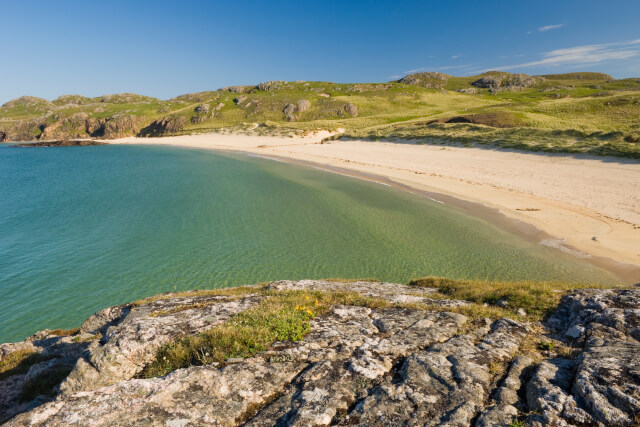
380, 354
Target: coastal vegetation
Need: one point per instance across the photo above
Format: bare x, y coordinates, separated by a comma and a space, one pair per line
332, 352
286, 315
577, 112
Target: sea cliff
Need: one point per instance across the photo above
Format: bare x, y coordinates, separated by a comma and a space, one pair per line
434, 352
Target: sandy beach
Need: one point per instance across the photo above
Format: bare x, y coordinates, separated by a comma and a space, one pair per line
591, 204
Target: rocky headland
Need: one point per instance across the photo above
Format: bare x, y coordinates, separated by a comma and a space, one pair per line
357, 353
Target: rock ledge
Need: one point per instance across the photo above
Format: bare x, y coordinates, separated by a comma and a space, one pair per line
400, 364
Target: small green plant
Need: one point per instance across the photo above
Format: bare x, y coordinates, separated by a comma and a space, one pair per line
516, 423
546, 345
19, 362
64, 332
281, 316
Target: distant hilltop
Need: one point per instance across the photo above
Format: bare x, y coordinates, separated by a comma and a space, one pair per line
574, 112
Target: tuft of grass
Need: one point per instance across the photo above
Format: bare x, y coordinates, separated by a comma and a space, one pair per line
281, 316
19, 362
87, 338
546, 346
64, 332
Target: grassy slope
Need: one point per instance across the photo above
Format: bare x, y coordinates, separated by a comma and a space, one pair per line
592, 113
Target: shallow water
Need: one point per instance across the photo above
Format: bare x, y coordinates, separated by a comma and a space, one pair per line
83, 228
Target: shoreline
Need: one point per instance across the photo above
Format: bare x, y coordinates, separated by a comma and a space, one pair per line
410, 167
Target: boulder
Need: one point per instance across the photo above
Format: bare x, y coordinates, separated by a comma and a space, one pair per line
351, 109
202, 108
270, 85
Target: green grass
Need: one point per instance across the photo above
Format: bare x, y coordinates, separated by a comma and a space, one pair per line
286, 316
281, 316
64, 332
574, 113
538, 299
19, 362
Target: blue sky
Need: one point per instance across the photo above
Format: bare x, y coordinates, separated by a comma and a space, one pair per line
166, 48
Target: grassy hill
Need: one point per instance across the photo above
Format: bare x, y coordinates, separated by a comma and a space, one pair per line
575, 112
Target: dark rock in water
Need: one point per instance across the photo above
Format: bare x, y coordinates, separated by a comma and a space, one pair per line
358, 365
61, 143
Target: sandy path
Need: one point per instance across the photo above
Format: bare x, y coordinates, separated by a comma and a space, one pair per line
574, 198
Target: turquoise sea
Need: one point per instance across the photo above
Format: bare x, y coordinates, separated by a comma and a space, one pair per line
83, 228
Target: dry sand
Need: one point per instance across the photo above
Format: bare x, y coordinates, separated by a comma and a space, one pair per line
574, 198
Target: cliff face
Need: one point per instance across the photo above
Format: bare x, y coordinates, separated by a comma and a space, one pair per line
388, 354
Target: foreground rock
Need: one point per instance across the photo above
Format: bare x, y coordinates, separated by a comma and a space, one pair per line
400, 364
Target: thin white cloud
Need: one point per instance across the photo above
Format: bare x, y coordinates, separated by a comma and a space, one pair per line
453, 67
588, 54
417, 70
550, 27
456, 56
450, 67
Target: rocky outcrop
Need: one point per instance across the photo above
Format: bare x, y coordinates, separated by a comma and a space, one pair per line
271, 85
292, 109
113, 127
431, 79
351, 109
602, 384
202, 108
72, 100
69, 127
236, 89
496, 81
27, 101
126, 98
408, 360
163, 126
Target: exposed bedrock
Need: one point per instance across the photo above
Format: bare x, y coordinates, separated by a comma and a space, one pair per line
413, 360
